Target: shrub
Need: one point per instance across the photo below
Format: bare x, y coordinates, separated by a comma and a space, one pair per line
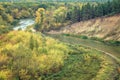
5, 75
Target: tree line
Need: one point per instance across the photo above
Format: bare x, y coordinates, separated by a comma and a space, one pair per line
89, 11
52, 15
69, 13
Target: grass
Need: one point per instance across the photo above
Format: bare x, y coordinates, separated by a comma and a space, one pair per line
108, 42
78, 36
85, 64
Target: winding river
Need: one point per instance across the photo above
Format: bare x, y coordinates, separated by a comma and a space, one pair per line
113, 50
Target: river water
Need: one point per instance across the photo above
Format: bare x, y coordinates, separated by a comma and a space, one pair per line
24, 23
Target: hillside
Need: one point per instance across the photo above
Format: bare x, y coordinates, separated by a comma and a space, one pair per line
30, 56
104, 27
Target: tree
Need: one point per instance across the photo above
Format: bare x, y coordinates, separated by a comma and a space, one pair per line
86, 12
9, 18
40, 15
15, 13
25, 14
116, 6
60, 14
99, 10
1, 9
74, 14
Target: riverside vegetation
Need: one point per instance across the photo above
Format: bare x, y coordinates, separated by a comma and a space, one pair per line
30, 56
52, 15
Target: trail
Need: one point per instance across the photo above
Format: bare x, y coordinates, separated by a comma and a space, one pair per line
109, 54
96, 46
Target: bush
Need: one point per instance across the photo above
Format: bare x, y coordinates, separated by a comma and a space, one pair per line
5, 75
75, 35
96, 38
84, 37
112, 42
66, 34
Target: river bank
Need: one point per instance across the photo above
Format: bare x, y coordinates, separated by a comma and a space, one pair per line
114, 50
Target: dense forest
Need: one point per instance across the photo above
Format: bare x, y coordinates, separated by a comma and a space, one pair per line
55, 15
27, 55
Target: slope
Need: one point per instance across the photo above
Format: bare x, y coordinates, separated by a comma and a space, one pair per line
107, 28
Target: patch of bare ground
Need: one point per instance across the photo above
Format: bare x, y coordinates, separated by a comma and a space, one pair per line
104, 27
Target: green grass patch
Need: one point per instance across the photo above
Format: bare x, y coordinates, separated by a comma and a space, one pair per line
87, 64
78, 36
108, 42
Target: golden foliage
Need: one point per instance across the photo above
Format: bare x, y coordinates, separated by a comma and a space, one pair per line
5, 75
3, 58
9, 18
31, 53
40, 15
24, 75
60, 14
1, 8
15, 13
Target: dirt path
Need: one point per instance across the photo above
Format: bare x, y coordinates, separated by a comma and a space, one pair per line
75, 41
109, 54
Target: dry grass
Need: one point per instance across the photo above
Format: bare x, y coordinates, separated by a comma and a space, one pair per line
104, 27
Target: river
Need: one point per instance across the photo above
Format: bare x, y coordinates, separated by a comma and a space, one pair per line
114, 50
24, 23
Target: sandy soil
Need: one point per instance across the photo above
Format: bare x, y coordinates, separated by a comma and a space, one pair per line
104, 27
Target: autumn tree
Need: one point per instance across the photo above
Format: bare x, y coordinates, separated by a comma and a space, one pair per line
40, 16
1, 9
9, 18
60, 14
15, 13
25, 14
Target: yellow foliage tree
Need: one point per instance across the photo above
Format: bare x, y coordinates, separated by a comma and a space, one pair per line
5, 75
40, 15
40, 18
1, 8
60, 14
26, 61
15, 13
9, 18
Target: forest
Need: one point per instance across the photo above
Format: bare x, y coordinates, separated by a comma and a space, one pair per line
27, 55
47, 17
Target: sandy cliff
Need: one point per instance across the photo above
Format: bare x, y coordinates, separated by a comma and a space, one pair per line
105, 27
